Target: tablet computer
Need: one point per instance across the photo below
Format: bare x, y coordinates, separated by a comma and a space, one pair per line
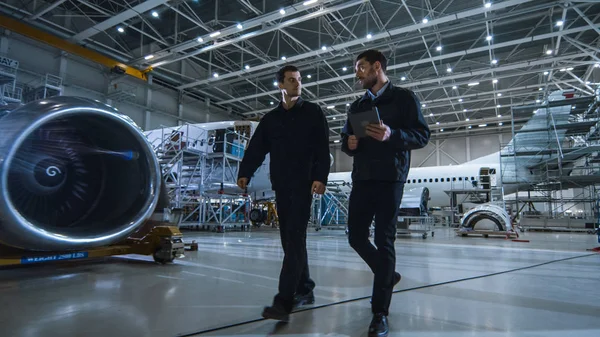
360, 120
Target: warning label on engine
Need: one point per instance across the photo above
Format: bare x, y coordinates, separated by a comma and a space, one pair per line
57, 257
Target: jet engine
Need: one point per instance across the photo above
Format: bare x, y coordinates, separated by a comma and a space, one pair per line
74, 174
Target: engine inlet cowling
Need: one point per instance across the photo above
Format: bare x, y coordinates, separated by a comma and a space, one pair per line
74, 174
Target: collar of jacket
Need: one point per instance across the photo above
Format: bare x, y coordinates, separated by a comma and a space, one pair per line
298, 104
384, 95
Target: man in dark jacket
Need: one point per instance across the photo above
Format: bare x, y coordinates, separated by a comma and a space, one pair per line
380, 168
296, 136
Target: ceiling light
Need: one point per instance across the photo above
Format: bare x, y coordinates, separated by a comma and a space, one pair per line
563, 69
454, 87
467, 120
336, 141
546, 73
587, 82
148, 57
282, 11
309, 2
121, 30
271, 103
283, 58
559, 23
487, 5
344, 69
538, 101
570, 68
347, 104
597, 65
494, 61
369, 36
498, 106
540, 89
460, 99
437, 123
239, 26
489, 38
309, 76
469, 127
549, 52
214, 34
499, 94
499, 116
215, 75
441, 130
274, 83
155, 14
500, 124
403, 78
431, 114
423, 105
482, 125
323, 48
449, 70
425, 20
473, 84
247, 66
439, 48
200, 39
331, 107
494, 81
464, 110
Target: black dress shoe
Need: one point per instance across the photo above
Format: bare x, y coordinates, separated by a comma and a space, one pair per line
276, 313
304, 299
378, 326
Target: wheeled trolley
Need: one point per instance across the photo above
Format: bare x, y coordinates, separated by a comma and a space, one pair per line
415, 224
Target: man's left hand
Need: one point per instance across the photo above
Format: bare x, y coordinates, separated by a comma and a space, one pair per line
380, 131
318, 187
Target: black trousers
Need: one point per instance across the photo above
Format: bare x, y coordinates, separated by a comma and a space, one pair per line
293, 209
381, 200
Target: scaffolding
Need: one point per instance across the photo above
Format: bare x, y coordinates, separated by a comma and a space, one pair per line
50, 86
331, 209
553, 161
10, 93
199, 167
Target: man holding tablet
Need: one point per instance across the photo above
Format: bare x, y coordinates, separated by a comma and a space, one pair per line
382, 128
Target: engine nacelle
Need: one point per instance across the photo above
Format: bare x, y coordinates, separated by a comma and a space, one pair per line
74, 174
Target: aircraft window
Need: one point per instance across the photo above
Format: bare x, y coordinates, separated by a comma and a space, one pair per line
466, 178
419, 181
436, 180
459, 178
414, 181
448, 180
473, 178
453, 178
430, 180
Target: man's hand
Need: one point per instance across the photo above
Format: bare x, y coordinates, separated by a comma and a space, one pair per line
380, 131
242, 183
318, 187
352, 142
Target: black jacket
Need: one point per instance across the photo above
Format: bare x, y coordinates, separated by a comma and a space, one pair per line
298, 143
399, 109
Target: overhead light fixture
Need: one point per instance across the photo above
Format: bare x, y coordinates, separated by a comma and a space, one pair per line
494, 81
344, 69
309, 2
239, 26
563, 69
403, 78
498, 106
369, 36
466, 120
331, 107
494, 61
149, 57
499, 94
549, 52
215, 75
559, 23
500, 124
155, 14
247, 67
454, 87
473, 84
570, 68
465, 110
309, 76
215, 34
499, 116
487, 5
546, 73
347, 104
323, 48
336, 141
482, 125
449, 70
423, 105
282, 11
200, 39
489, 38
460, 99
437, 123
283, 58
538, 101
441, 130
597, 65
425, 20
431, 114
271, 103
540, 89
274, 83
121, 30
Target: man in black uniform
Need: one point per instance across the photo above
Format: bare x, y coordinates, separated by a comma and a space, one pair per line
381, 165
296, 135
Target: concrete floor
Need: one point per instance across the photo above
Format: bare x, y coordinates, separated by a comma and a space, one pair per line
451, 286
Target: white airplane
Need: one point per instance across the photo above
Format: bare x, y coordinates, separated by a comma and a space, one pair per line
429, 183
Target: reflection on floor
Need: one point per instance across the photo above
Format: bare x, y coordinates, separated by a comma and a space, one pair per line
451, 286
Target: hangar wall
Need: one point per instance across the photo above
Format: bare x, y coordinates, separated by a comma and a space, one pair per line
443, 152
149, 105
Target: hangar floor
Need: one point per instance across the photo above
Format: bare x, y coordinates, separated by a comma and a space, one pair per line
451, 286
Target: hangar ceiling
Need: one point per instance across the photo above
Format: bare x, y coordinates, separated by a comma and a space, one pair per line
469, 61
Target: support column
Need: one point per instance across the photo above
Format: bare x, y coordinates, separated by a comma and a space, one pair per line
437, 153
468, 147
4, 43
148, 113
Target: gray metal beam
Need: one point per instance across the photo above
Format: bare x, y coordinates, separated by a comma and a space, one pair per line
364, 40
118, 19
447, 56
